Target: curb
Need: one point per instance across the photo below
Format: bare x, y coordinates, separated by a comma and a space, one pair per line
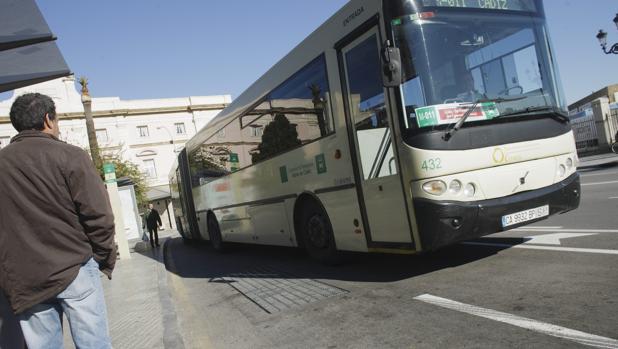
171, 334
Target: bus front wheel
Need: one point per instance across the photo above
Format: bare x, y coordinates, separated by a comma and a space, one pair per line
214, 233
317, 235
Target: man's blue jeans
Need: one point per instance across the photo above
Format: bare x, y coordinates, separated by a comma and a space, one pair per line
82, 302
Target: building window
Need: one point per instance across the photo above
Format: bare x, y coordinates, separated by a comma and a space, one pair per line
180, 128
143, 131
4, 141
150, 169
256, 131
102, 135
221, 133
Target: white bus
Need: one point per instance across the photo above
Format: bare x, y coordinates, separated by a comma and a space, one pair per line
397, 126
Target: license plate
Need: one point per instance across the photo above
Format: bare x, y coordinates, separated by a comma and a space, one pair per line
524, 216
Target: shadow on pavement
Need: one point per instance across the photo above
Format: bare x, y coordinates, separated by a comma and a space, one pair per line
201, 261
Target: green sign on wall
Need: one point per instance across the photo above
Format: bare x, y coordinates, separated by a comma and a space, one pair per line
109, 170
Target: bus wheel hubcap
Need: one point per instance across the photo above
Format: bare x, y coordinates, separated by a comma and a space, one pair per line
317, 232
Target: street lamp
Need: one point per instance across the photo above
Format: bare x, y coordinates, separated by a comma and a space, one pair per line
171, 137
168, 132
602, 37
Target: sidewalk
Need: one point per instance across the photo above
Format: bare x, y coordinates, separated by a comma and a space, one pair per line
609, 159
140, 309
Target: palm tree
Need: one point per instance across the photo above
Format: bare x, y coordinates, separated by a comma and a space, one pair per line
92, 136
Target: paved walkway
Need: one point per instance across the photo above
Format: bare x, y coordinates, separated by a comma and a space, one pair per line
140, 309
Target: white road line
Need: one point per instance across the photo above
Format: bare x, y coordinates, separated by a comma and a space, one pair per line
541, 227
529, 324
599, 183
546, 248
600, 231
614, 198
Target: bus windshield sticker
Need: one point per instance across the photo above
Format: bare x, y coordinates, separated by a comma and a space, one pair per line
504, 5
443, 114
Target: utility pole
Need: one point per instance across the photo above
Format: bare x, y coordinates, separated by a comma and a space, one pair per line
92, 136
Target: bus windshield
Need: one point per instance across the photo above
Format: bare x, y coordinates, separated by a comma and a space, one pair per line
454, 59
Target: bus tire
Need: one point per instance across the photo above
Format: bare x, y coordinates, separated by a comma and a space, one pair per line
214, 234
317, 235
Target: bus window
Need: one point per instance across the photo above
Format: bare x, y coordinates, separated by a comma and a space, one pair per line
295, 113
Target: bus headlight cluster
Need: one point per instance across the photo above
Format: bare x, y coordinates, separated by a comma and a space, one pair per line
470, 190
566, 166
455, 187
435, 187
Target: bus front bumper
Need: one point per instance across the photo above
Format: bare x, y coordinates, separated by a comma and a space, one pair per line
443, 223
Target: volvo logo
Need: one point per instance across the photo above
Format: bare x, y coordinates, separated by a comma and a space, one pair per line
522, 181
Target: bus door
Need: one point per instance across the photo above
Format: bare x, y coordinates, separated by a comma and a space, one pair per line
186, 194
180, 206
380, 189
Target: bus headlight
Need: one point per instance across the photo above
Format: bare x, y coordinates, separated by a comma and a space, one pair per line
470, 190
435, 187
455, 187
569, 163
561, 170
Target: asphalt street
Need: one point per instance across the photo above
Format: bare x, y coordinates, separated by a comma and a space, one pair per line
549, 285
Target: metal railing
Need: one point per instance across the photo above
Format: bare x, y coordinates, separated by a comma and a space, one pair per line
585, 131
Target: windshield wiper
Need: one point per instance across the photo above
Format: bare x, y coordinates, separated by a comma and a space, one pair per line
555, 113
450, 132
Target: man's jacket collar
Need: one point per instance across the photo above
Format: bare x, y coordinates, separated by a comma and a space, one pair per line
32, 134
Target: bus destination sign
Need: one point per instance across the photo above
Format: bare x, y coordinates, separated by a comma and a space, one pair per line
505, 5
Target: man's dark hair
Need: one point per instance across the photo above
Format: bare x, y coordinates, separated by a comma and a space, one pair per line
29, 110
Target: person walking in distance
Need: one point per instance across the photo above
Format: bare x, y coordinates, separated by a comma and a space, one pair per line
57, 231
153, 223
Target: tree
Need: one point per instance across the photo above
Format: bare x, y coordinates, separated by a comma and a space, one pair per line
92, 137
279, 136
127, 169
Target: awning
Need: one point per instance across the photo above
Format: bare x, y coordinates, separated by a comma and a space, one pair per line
28, 53
158, 193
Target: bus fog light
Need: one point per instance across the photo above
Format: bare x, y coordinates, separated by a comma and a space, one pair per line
561, 170
455, 187
569, 163
435, 187
470, 190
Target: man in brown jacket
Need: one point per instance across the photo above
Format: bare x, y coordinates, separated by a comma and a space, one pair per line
56, 231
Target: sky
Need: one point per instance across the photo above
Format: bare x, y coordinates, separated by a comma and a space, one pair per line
158, 49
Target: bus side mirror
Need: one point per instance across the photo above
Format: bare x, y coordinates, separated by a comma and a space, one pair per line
391, 65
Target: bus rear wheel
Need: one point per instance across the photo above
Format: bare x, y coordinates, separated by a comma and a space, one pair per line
214, 233
317, 235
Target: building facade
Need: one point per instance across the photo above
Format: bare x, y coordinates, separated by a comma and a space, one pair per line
146, 132
594, 119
